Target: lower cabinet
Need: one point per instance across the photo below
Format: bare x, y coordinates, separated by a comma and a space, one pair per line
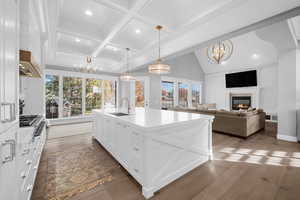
20, 155
122, 141
8, 164
29, 162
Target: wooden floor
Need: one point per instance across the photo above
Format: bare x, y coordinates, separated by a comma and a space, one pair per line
258, 168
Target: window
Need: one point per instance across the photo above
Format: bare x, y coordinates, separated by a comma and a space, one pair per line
77, 94
183, 89
109, 92
52, 96
180, 92
72, 96
167, 99
196, 95
139, 94
93, 98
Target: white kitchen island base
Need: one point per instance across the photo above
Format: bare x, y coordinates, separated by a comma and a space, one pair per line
156, 147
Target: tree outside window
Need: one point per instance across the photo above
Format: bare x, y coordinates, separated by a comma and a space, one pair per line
93, 99
72, 96
52, 96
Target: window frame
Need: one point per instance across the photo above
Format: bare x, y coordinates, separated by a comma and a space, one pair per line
61, 74
176, 82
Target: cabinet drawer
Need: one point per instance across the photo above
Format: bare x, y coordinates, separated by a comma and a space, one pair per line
136, 140
135, 167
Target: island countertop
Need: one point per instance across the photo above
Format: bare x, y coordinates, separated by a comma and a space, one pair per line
151, 118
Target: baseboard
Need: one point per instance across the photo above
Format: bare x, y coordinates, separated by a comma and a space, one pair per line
287, 138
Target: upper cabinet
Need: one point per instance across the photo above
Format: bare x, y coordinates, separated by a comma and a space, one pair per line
9, 63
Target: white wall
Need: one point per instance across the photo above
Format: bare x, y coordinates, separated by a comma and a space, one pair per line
287, 94
215, 88
244, 47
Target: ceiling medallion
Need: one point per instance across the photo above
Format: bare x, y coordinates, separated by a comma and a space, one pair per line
220, 52
158, 67
126, 76
88, 68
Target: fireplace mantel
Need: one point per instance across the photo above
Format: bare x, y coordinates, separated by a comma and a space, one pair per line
247, 91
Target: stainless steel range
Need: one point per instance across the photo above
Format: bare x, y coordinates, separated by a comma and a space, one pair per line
36, 121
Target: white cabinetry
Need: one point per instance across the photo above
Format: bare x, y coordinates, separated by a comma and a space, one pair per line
9, 71
28, 158
121, 141
8, 165
155, 147
9, 59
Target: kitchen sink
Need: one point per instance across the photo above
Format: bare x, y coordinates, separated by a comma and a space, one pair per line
118, 114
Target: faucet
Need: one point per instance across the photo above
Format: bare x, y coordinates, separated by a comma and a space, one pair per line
128, 105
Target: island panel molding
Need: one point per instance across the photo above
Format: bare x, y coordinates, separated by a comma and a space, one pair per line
155, 153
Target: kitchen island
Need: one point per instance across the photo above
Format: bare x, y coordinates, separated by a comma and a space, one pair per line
155, 146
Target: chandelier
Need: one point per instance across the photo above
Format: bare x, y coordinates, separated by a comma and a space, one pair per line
126, 76
158, 67
88, 68
219, 52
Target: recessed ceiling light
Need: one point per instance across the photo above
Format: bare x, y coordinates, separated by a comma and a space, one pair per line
255, 56
88, 13
137, 31
77, 40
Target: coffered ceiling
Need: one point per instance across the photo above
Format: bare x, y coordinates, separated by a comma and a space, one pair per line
104, 28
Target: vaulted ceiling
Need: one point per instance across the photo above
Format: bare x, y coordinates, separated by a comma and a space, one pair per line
104, 28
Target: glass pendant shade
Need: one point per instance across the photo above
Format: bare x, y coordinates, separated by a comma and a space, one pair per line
220, 52
158, 67
126, 76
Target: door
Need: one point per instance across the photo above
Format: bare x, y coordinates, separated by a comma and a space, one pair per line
141, 88
9, 60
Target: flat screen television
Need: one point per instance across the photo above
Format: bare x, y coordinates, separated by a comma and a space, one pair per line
241, 79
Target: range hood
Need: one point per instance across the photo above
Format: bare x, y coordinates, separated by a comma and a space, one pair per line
27, 65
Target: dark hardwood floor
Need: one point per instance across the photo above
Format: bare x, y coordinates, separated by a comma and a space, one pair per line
258, 168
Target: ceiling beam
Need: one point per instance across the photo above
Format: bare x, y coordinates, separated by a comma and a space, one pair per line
138, 5
81, 36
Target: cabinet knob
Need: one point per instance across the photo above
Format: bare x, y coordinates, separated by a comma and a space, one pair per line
136, 170
29, 188
23, 175
136, 149
25, 151
28, 162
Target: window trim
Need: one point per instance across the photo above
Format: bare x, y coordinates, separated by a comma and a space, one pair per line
83, 76
176, 82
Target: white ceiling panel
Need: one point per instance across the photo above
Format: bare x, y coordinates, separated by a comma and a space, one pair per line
175, 13
112, 53
71, 44
98, 23
137, 35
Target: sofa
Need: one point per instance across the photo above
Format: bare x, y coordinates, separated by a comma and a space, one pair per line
238, 123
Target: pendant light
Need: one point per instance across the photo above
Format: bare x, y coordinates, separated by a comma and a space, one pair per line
126, 76
158, 67
220, 52
88, 68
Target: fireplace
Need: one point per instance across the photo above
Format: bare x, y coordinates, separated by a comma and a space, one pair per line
240, 102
